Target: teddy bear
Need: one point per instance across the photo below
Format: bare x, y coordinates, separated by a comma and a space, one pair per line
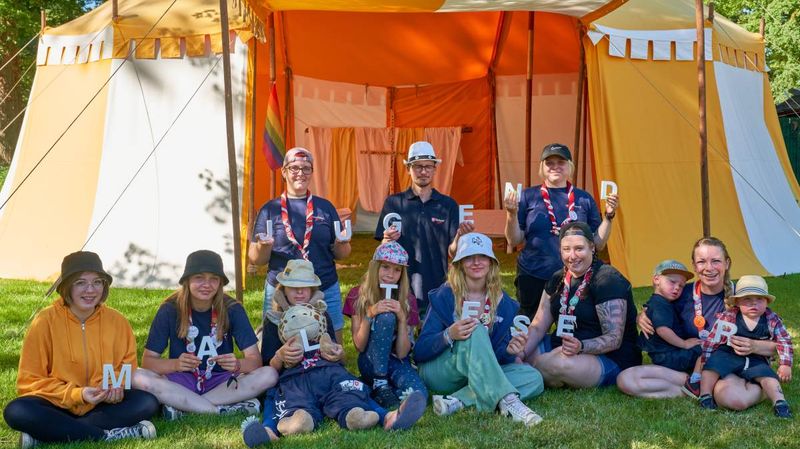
309, 317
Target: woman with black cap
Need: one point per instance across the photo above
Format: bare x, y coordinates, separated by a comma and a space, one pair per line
537, 217
591, 304
199, 324
61, 366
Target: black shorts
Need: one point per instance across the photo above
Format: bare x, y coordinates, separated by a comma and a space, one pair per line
678, 359
748, 367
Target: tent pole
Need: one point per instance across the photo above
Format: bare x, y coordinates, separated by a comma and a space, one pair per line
42, 20
272, 77
579, 105
529, 100
287, 127
251, 195
232, 172
701, 93
499, 43
114, 10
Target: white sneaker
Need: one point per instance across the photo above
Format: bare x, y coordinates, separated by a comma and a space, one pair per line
249, 407
171, 413
446, 405
143, 429
511, 406
26, 441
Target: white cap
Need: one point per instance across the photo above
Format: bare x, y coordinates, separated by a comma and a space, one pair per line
474, 243
421, 151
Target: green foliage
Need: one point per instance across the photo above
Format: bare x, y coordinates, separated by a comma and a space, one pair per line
782, 36
585, 419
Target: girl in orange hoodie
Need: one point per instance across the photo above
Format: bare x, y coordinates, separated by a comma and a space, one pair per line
61, 366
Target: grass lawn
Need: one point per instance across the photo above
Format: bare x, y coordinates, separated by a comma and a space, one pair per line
573, 419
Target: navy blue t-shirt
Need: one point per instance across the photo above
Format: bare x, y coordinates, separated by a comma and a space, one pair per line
661, 314
684, 307
323, 236
164, 331
606, 284
428, 229
541, 256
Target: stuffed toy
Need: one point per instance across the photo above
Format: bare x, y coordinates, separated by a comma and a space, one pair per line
311, 318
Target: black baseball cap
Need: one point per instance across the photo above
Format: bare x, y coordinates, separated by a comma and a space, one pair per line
556, 149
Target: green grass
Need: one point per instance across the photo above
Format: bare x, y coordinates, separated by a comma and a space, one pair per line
573, 419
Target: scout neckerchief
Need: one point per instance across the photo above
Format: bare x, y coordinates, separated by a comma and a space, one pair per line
571, 215
570, 310
288, 226
699, 321
486, 316
192, 333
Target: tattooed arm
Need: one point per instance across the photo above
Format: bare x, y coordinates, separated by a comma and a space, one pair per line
612, 319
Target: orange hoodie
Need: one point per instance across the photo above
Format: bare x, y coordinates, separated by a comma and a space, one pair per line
60, 355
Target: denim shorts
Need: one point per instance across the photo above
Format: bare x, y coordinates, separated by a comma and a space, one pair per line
609, 370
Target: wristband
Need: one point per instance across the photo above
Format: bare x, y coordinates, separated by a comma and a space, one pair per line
580, 350
611, 216
447, 338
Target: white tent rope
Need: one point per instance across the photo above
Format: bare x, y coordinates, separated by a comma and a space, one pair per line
710, 145
10, 91
141, 166
19, 51
85, 107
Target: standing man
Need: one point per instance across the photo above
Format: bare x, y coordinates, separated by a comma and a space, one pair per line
429, 229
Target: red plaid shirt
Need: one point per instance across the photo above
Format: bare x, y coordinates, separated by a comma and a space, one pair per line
777, 333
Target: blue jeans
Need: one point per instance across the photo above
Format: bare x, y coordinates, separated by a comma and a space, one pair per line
378, 360
333, 298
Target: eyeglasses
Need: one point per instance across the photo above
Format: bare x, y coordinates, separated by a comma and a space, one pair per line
423, 168
82, 284
294, 169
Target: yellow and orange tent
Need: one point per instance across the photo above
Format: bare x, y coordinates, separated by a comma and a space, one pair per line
141, 175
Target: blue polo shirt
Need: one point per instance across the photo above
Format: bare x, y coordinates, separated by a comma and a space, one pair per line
541, 256
684, 307
428, 229
320, 249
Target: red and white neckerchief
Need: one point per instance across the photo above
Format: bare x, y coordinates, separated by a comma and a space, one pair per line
571, 214
570, 309
486, 316
287, 225
699, 321
191, 334
311, 362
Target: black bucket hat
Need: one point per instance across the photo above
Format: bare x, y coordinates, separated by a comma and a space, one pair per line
204, 261
82, 261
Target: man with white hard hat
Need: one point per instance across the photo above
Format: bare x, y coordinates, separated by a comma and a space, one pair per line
429, 227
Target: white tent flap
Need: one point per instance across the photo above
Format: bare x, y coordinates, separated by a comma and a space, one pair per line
770, 211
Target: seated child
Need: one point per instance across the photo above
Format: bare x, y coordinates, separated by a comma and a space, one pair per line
314, 384
669, 347
198, 326
755, 321
383, 329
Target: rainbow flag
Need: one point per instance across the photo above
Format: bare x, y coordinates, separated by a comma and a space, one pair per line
273, 148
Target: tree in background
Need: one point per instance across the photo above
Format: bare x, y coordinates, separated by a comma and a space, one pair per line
19, 22
782, 36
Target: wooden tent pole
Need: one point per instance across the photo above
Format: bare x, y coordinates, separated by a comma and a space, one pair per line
499, 43
42, 21
114, 10
579, 104
251, 195
529, 100
272, 77
701, 93
232, 172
